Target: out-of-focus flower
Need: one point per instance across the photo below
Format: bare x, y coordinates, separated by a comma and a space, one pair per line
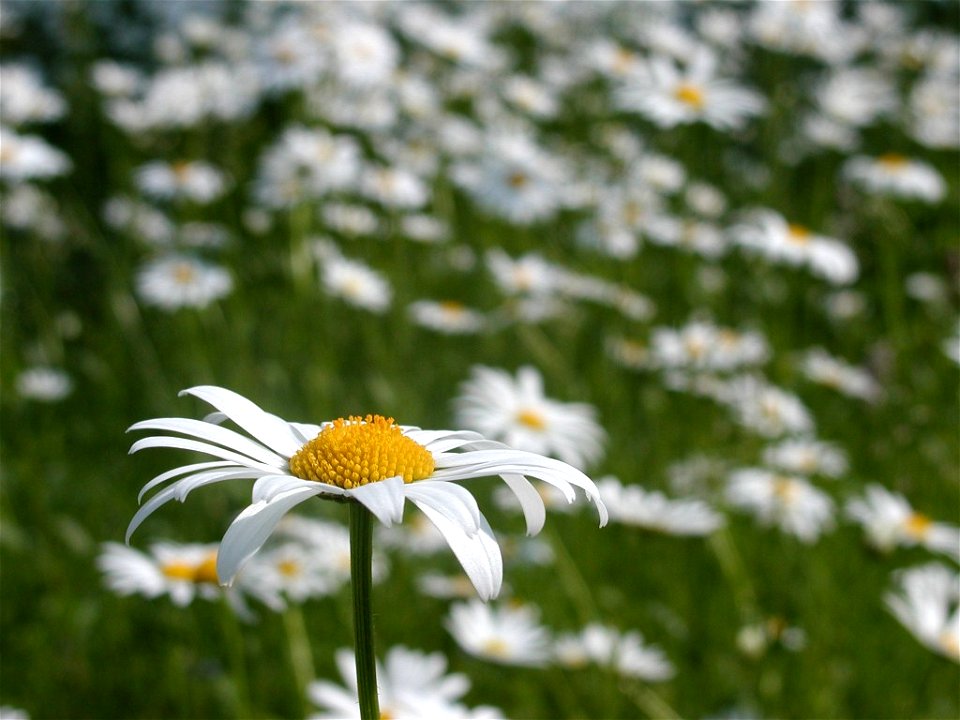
925, 601
754, 639
806, 456
24, 99
889, 520
410, 684
762, 407
508, 634
896, 176
517, 412
669, 95
624, 653
193, 180
770, 235
449, 317
29, 157
651, 510
704, 346
369, 460
786, 501
178, 281
824, 369
45, 384
354, 282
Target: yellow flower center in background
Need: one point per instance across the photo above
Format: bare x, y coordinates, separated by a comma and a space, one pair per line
798, 234
917, 526
496, 647
893, 161
184, 274
356, 451
202, 572
532, 419
689, 94
517, 179
288, 568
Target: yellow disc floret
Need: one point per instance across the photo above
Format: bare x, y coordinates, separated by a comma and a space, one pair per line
356, 451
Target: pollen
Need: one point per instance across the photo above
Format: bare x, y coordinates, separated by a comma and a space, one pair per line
893, 161
690, 94
356, 451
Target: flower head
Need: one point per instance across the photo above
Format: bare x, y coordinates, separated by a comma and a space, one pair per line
370, 460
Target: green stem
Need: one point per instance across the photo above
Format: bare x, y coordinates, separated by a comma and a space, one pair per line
301, 659
361, 576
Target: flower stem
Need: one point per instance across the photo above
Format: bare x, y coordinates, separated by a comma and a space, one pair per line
361, 576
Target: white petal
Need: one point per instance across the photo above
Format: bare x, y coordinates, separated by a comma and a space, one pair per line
207, 448
453, 501
534, 511
272, 431
215, 434
168, 494
163, 477
478, 553
384, 499
251, 528
269, 486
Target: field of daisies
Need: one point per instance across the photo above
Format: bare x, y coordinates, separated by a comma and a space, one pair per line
631, 331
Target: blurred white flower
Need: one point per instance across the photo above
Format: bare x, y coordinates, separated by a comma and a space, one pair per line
178, 281
624, 653
45, 384
889, 520
508, 634
806, 456
669, 95
355, 283
29, 157
652, 510
448, 316
822, 368
897, 176
410, 684
785, 501
193, 180
24, 98
518, 413
925, 601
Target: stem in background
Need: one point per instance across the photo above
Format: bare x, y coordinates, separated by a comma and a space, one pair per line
361, 576
301, 658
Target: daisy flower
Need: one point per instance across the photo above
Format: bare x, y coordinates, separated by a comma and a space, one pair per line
508, 635
354, 282
925, 601
29, 157
821, 367
371, 460
517, 412
789, 502
181, 571
889, 520
806, 456
897, 176
669, 95
45, 384
625, 653
411, 684
448, 316
652, 510
195, 180
177, 281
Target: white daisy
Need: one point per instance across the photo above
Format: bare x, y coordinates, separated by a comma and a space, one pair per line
29, 157
410, 684
806, 456
652, 510
449, 317
517, 412
896, 175
703, 346
355, 283
926, 601
369, 460
889, 520
508, 635
762, 407
177, 281
24, 99
669, 95
821, 367
625, 653
194, 180
787, 501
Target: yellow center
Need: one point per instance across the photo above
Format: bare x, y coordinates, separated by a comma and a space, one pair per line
356, 451
184, 273
689, 94
798, 234
784, 489
532, 419
517, 179
452, 307
893, 161
496, 647
288, 568
917, 525
202, 572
